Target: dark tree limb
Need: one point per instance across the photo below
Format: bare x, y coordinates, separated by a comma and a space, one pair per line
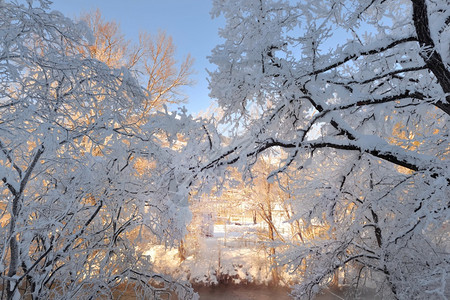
432, 58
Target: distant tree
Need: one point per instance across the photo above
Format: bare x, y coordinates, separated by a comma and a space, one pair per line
75, 142
356, 94
265, 200
151, 59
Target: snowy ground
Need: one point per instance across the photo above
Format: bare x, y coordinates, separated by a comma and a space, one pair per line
231, 251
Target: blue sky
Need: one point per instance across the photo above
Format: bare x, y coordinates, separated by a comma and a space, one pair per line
187, 21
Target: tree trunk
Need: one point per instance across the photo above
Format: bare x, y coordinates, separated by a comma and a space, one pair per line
14, 258
181, 251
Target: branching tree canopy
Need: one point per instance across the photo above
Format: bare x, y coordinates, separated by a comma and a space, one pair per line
356, 93
75, 141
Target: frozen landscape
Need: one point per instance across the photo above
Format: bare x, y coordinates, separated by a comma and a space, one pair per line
319, 171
